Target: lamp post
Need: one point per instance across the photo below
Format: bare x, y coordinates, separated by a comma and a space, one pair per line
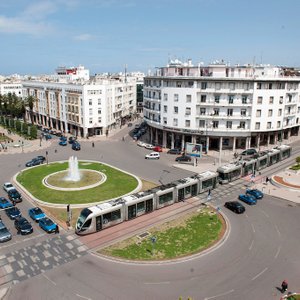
22, 146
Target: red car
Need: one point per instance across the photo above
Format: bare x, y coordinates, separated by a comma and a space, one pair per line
157, 149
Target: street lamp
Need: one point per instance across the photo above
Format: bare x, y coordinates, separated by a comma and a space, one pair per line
22, 146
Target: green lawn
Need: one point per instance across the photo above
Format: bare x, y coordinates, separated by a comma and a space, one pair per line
116, 185
294, 297
185, 236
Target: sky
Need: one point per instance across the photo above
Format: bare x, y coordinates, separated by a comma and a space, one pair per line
105, 35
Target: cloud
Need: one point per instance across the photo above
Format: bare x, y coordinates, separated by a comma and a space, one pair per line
83, 37
39, 10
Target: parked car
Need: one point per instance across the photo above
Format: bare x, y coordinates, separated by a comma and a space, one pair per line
247, 199
41, 158
13, 212
5, 235
59, 134
23, 226
8, 186
33, 162
149, 146
174, 151
249, 153
157, 149
72, 139
47, 224
129, 124
152, 155
36, 213
63, 138
183, 158
4, 203
48, 136
14, 196
141, 144
63, 143
257, 194
76, 146
235, 206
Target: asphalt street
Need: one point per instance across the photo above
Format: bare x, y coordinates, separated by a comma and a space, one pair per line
261, 249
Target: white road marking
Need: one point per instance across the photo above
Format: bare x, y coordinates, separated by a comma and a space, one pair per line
251, 245
219, 295
162, 282
49, 279
253, 227
83, 297
279, 234
264, 213
263, 271
246, 216
278, 251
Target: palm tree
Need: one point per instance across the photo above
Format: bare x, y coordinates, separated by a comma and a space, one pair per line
29, 103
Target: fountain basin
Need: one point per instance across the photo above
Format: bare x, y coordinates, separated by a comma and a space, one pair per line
88, 179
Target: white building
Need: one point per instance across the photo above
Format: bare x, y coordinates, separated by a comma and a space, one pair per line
90, 108
12, 88
221, 106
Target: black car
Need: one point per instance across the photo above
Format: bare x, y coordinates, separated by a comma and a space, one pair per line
14, 195
40, 158
23, 226
13, 212
235, 206
76, 146
33, 162
183, 158
174, 151
72, 139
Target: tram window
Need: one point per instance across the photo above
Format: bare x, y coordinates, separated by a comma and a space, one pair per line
187, 190
223, 176
87, 224
263, 162
83, 215
235, 173
115, 215
141, 206
165, 198
208, 183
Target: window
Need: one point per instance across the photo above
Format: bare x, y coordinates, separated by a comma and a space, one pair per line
141, 206
175, 97
90, 111
218, 85
188, 98
231, 86
243, 112
175, 109
202, 111
246, 86
99, 120
165, 198
278, 124
229, 112
203, 85
165, 120
258, 113
201, 123
217, 99
216, 111
257, 125
244, 99
203, 98
258, 86
281, 99
175, 122
230, 99
187, 123
91, 120
99, 111
279, 112
90, 102
99, 101
242, 125
165, 97
271, 100
215, 124
187, 111
259, 100
270, 113
269, 124
270, 86
229, 124
165, 108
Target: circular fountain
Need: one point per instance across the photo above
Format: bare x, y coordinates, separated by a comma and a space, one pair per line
74, 179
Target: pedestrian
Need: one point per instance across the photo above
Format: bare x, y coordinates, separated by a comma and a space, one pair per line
123, 139
93, 144
284, 286
56, 229
55, 150
267, 179
196, 162
209, 192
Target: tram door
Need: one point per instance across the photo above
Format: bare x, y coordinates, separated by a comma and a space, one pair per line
98, 223
149, 205
131, 211
180, 194
194, 190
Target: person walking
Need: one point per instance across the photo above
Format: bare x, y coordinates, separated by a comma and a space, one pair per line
284, 286
93, 144
56, 229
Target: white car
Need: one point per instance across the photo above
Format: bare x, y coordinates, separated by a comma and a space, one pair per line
8, 186
141, 144
149, 146
153, 155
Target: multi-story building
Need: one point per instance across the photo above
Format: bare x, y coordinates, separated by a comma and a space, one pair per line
11, 88
82, 108
220, 106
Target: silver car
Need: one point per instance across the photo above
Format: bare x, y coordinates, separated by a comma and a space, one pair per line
5, 235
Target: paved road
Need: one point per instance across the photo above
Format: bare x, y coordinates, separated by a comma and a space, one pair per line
261, 250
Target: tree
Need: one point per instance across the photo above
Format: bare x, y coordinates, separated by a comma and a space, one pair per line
298, 160
33, 132
29, 103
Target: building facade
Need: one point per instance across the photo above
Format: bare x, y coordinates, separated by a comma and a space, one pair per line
221, 107
82, 109
11, 88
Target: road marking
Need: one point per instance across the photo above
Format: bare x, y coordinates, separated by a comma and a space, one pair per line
253, 227
265, 213
278, 251
279, 234
219, 295
251, 245
263, 271
163, 282
49, 279
83, 297
246, 216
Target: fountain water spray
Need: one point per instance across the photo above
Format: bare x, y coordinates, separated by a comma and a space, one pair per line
73, 171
